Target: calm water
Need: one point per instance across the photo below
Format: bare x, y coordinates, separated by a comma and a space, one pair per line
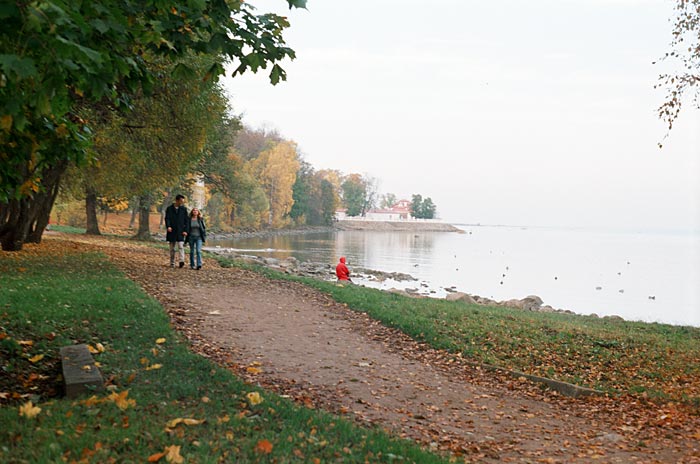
606, 273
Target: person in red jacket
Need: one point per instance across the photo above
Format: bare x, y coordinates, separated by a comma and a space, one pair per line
342, 271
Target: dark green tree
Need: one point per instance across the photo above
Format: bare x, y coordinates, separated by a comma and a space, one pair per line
58, 55
354, 193
417, 206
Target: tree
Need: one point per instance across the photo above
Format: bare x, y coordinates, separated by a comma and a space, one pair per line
55, 56
387, 200
428, 209
302, 192
354, 193
685, 47
162, 138
417, 206
276, 170
328, 202
422, 208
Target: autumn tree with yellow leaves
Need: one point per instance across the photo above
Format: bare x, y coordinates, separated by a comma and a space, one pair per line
276, 170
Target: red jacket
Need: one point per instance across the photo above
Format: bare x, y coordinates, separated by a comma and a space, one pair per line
341, 270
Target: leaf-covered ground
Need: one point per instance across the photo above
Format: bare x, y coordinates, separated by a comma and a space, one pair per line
162, 403
299, 342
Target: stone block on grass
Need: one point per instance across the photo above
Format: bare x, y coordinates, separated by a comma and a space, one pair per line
80, 374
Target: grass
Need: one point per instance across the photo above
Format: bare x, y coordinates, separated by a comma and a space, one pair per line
67, 229
652, 360
51, 300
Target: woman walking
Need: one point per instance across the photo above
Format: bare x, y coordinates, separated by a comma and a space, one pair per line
196, 234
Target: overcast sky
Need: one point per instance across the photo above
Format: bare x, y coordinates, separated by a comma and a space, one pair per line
504, 112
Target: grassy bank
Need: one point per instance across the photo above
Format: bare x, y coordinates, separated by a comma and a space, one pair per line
50, 298
651, 360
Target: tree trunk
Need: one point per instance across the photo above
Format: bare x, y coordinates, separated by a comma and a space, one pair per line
25, 220
93, 226
134, 212
44, 206
144, 232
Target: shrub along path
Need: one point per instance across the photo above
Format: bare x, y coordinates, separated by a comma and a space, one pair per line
296, 340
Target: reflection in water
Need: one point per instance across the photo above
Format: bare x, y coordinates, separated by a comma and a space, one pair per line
639, 276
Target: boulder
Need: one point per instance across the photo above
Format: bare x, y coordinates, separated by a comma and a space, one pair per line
459, 296
531, 303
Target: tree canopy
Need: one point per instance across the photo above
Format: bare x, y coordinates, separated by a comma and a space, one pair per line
58, 55
685, 50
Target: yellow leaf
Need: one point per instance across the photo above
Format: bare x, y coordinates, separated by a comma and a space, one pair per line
254, 398
229, 435
145, 361
28, 410
154, 351
92, 401
172, 454
36, 358
25, 342
87, 367
6, 122
205, 399
100, 347
173, 423
253, 370
97, 364
160, 341
223, 420
120, 399
154, 367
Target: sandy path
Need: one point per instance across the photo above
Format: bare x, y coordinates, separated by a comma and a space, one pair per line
323, 354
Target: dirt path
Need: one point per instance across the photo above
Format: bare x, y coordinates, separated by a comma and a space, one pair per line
299, 342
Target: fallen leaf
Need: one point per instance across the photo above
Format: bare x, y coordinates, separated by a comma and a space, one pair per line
160, 341
222, 420
100, 347
155, 457
205, 399
253, 370
254, 398
28, 410
173, 423
25, 342
36, 358
264, 446
120, 399
172, 454
154, 367
92, 349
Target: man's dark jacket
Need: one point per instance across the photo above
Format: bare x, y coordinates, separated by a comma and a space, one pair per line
177, 219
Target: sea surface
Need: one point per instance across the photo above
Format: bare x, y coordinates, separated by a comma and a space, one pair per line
647, 276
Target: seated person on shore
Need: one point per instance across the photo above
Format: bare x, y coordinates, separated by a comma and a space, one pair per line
342, 271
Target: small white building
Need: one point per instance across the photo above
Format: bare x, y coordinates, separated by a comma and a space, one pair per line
400, 211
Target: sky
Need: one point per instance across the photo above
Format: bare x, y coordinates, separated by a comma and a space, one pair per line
538, 113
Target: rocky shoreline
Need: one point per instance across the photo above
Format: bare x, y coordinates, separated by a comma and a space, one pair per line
326, 272
397, 226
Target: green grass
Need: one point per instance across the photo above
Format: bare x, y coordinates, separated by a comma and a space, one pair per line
66, 298
654, 360
68, 229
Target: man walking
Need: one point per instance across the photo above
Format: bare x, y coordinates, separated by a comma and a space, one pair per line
176, 223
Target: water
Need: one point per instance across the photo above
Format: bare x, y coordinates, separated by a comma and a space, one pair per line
653, 277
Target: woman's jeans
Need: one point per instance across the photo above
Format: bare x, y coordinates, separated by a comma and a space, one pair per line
196, 248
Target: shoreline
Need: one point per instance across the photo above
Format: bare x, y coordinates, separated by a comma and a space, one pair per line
326, 272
